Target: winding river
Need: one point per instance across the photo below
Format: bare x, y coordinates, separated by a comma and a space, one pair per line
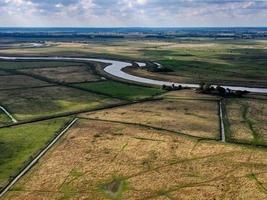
115, 69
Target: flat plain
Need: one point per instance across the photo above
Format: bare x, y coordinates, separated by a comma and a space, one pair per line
118, 161
235, 62
144, 142
192, 117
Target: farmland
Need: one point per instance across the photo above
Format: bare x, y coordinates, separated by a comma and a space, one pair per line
120, 90
192, 117
19, 144
37, 102
223, 62
118, 161
247, 120
134, 140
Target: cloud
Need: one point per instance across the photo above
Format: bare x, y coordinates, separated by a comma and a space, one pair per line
133, 13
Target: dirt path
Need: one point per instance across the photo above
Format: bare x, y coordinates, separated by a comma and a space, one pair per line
222, 129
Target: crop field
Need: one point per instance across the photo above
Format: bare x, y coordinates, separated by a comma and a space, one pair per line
197, 118
18, 144
47, 101
132, 141
223, 62
118, 161
247, 120
120, 90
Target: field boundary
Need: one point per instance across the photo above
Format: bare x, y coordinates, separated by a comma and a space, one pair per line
36, 159
222, 129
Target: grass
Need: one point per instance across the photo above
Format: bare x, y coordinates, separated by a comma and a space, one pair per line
223, 62
145, 169
40, 102
246, 120
192, 117
20, 81
70, 74
15, 65
18, 144
4, 119
121, 90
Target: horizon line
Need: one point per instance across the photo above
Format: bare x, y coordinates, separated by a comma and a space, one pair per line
133, 27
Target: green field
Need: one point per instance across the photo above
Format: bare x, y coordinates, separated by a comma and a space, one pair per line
4, 118
120, 90
15, 65
18, 144
40, 102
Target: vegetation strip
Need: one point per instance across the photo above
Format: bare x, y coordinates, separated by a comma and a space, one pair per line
8, 114
36, 159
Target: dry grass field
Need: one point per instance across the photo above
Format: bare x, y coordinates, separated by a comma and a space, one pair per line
117, 161
158, 76
189, 94
68, 74
247, 120
192, 117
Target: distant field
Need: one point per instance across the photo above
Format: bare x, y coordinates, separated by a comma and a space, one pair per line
224, 62
65, 74
192, 117
119, 161
3, 73
20, 81
247, 120
15, 65
121, 90
18, 144
37, 102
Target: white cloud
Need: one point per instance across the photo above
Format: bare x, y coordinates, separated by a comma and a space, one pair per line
132, 13
141, 2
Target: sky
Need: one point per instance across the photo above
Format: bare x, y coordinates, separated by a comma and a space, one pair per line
132, 13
